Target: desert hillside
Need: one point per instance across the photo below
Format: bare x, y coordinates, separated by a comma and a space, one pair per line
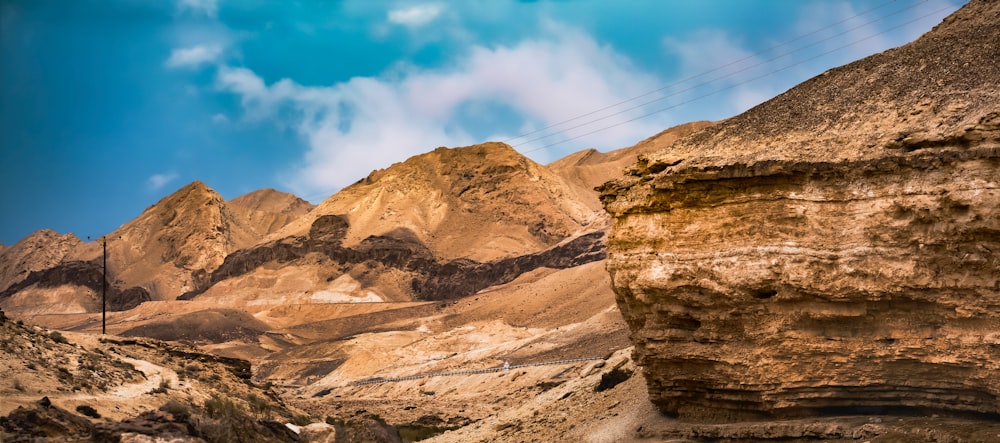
38, 251
319, 309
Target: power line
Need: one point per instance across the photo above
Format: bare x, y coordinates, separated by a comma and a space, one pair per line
718, 68
712, 80
738, 83
706, 83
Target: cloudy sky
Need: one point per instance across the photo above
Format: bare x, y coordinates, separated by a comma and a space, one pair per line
106, 106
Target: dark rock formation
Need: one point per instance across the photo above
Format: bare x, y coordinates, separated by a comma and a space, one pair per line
835, 250
399, 250
40, 250
237, 366
85, 274
45, 422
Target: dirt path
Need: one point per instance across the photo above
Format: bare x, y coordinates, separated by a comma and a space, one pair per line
155, 375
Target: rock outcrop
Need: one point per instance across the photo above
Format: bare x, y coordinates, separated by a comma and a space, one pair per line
834, 250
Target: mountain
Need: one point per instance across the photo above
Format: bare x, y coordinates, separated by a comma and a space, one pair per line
166, 251
175, 242
480, 202
267, 210
826, 257
591, 168
832, 251
441, 225
38, 251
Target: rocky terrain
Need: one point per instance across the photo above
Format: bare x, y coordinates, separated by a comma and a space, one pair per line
317, 310
38, 251
820, 268
832, 251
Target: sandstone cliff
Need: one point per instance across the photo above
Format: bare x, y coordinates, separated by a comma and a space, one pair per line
833, 250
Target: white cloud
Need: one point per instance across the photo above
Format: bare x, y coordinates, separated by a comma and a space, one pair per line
366, 123
220, 119
194, 56
717, 70
415, 16
158, 181
852, 34
209, 8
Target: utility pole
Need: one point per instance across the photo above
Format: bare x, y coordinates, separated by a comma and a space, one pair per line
104, 285
104, 288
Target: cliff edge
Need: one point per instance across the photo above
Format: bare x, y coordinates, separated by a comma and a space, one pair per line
835, 250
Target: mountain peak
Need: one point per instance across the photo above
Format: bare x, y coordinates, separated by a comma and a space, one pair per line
483, 202
271, 200
267, 210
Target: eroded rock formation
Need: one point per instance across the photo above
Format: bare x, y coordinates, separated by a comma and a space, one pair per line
428, 277
834, 250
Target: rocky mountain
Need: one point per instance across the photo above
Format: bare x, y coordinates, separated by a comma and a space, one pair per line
267, 210
480, 202
441, 225
834, 250
166, 251
38, 251
175, 242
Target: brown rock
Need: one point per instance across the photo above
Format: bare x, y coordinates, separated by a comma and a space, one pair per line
833, 250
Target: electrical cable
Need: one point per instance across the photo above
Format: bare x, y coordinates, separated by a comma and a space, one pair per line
718, 68
739, 83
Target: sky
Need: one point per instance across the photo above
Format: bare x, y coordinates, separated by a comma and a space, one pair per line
107, 106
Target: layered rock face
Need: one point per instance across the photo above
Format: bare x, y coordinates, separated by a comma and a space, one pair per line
834, 250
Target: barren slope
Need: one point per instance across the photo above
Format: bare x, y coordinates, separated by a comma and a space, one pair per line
591, 168
160, 254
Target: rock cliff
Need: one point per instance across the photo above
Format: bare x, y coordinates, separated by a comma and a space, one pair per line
833, 250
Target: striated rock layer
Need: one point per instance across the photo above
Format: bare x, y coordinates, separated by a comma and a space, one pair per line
834, 250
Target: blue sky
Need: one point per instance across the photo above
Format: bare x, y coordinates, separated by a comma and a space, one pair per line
106, 106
